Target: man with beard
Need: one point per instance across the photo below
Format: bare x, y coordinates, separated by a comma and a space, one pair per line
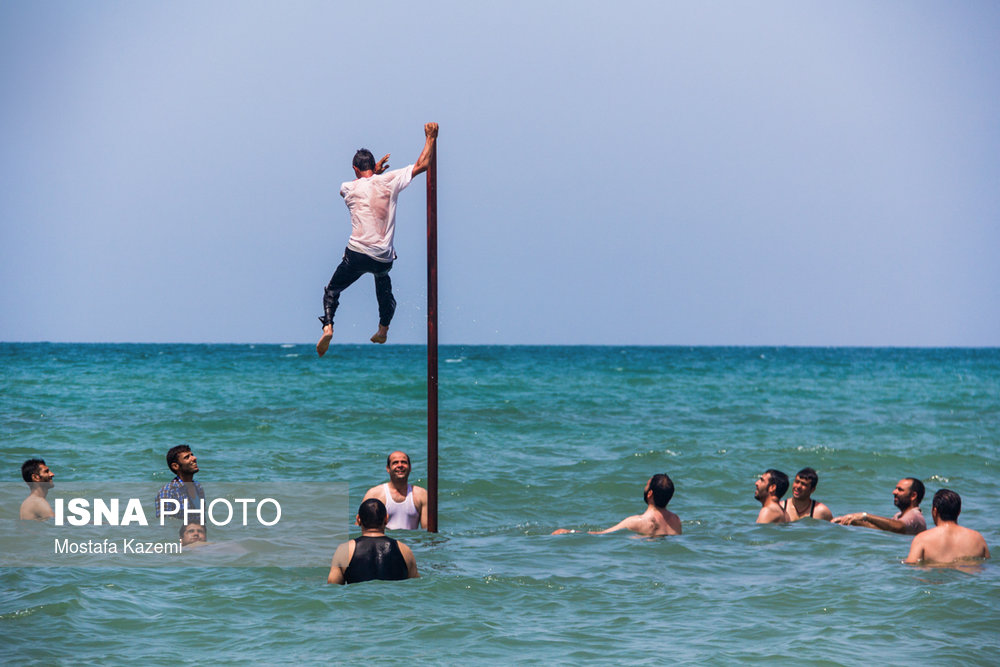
768, 489
39, 478
801, 504
908, 520
182, 488
657, 520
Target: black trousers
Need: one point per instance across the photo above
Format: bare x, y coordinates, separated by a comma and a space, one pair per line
353, 266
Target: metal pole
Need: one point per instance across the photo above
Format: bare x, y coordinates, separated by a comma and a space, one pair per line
432, 347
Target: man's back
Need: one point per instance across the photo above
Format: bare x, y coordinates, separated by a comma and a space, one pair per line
660, 522
376, 558
372, 204
654, 522
948, 543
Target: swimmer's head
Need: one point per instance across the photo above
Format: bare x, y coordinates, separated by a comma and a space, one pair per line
662, 489
908, 493
33, 467
917, 487
808, 475
947, 505
192, 532
392, 455
372, 514
181, 457
779, 480
397, 464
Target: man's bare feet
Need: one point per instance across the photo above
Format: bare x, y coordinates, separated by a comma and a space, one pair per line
324, 342
380, 335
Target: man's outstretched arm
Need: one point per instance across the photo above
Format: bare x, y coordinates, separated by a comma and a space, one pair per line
633, 523
424, 161
871, 521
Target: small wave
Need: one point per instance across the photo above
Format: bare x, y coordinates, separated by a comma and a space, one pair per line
815, 448
653, 452
20, 613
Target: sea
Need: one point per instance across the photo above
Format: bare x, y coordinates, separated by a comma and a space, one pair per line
530, 439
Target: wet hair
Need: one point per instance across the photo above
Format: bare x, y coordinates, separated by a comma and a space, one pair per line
780, 481
948, 505
917, 486
31, 467
192, 523
662, 489
364, 160
403, 453
174, 454
372, 513
809, 475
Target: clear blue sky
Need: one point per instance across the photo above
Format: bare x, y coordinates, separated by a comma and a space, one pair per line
693, 173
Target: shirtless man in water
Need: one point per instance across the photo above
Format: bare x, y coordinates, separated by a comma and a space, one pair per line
947, 542
656, 520
768, 489
39, 479
801, 505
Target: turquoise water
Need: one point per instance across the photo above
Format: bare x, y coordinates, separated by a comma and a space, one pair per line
532, 438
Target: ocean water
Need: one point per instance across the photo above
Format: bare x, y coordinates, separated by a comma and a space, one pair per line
531, 439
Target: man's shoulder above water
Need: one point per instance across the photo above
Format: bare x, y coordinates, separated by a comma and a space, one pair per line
378, 491
772, 512
913, 521
36, 508
947, 543
666, 522
650, 524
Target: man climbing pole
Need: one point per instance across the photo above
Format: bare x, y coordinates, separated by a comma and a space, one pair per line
371, 201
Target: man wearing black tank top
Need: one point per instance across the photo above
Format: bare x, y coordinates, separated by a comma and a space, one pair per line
373, 555
801, 504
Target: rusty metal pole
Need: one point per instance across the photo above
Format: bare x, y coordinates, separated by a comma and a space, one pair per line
432, 346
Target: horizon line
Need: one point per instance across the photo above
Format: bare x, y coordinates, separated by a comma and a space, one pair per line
670, 345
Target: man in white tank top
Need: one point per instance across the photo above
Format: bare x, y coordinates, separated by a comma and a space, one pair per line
406, 504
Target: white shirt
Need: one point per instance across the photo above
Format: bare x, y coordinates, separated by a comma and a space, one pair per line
401, 515
372, 203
